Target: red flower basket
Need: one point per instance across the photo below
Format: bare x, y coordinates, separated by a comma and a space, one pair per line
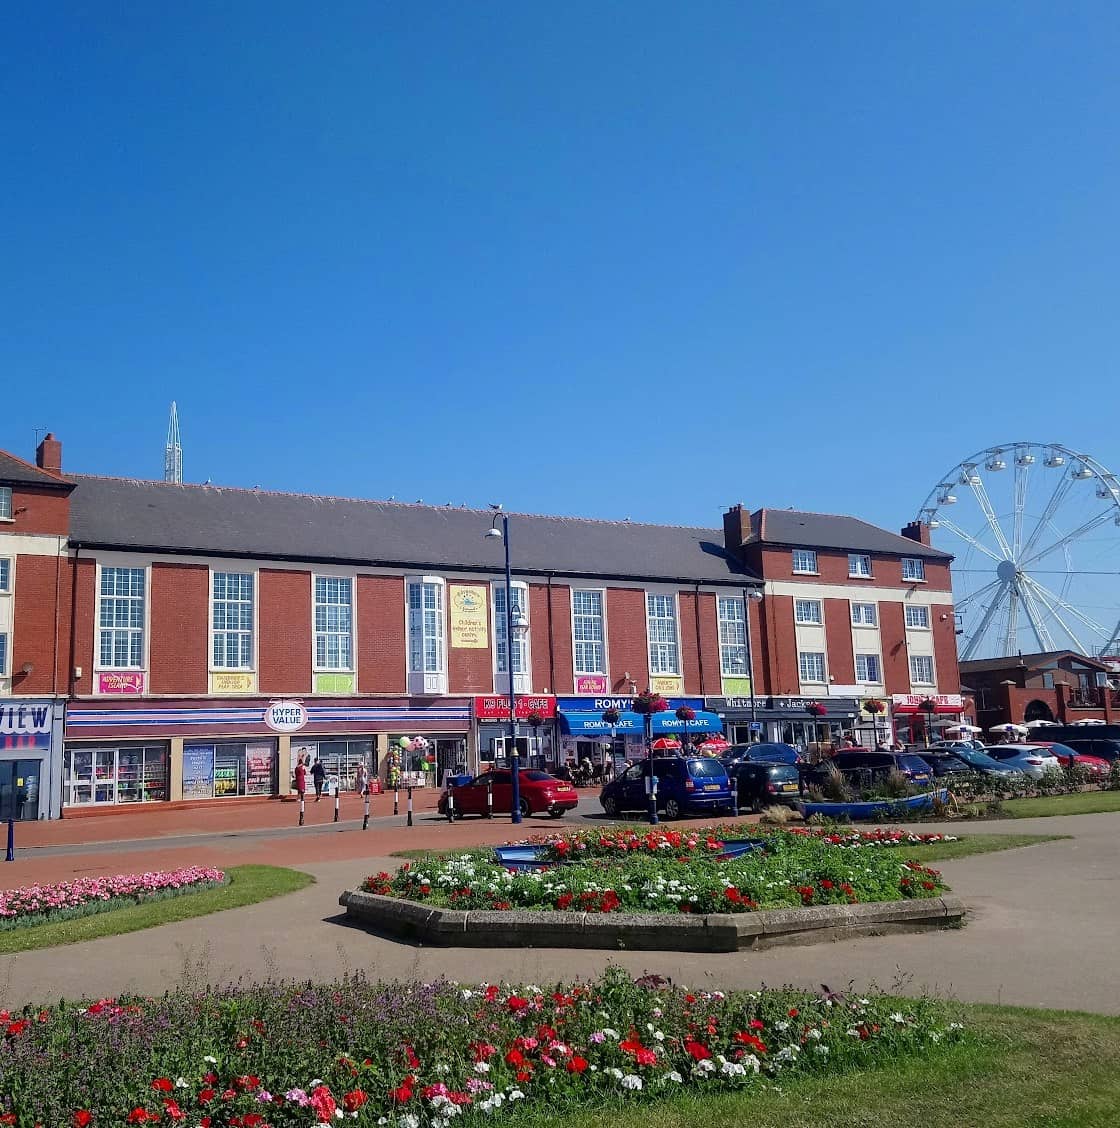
815, 709
535, 718
649, 702
874, 706
927, 705
686, 713
611, 716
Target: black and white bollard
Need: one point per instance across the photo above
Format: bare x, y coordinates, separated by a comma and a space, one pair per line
409, 822
337, 796
365, 809
450, 801
301, 810
11, 855
396, 799
489, 800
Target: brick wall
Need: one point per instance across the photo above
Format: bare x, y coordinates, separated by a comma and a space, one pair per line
381, 654
626, 637
35, 640
781, 647
838, 637
285, 629
945, 648
470, 671
36, 510
83, 574
551, 643
709, 645
690, 650
180, 630
896, 660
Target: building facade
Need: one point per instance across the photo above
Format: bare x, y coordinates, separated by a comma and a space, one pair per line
203, 639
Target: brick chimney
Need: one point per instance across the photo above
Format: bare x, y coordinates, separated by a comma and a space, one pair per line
917, 531
736, 528
48, 455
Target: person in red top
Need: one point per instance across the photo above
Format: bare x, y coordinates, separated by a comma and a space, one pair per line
301, 777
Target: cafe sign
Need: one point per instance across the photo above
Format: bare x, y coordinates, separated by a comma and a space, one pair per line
496, 708
285, 716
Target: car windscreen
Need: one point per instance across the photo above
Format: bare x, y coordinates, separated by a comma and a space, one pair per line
977, 759
783, 771
535, 776
913, 764
706, 768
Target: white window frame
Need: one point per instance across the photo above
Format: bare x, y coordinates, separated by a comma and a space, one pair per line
129, 628
866, 676
799, 569
862, 621
5, 647
731, 617
916, 608
600, 643
798, 604
914, 679
660, 669
328, 632
234, 632
856, 562
5, 575
916, 565
808, 678
523, 663
439, 634
6, 513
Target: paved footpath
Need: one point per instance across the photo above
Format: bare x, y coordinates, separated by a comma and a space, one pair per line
1043, 928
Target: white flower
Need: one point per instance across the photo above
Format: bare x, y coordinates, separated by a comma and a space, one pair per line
611, 1033
516, 1095
822, 1050
787, 1053
781, 1025
731, 1068
852, 1032
482, 1067
409, 1120
814, 1034
467, 994
631, 1081
934, 1036
896, 1017
955, 1025
211, 1060
674, 1076
610, 1071
180, 1083
658, 1036
704, 1067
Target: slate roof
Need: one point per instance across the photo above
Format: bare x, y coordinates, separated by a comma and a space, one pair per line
218, 521
15, 470
795, 529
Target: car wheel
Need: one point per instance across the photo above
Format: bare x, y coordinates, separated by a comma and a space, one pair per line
672, 809
555, 812
756, 805
526, 810
610, 805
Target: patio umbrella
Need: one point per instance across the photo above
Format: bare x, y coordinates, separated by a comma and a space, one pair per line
714, 746
1009, 730
1042, 724
663, 743
963, 729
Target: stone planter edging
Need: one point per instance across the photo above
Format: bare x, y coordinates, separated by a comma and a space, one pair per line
716, 932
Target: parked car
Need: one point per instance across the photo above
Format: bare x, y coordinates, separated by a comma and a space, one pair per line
685, 785
954, 746
767, 750
988, 765
540, 792
861, 765
1031, 759
762, 783
1103, 748
1096, 766
944, 763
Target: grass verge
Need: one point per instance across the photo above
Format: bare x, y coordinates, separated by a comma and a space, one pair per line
246, 886
1026, 1069
1080, 803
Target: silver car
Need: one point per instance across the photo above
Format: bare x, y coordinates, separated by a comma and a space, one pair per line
1031, 759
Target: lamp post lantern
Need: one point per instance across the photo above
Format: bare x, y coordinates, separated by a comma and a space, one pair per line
519, 624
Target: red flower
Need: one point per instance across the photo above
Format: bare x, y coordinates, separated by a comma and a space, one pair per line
354, 1100
162, 1085
8, 1117
82, 1118
697, 1050
18, 1027
755, 1024
752, 1040
645, 1057
515, 1058
793, 1012
516, 1003
524, 1075
205, 1095
140, 1115
173, 1110
402, 1093
576, 1064
323, 1103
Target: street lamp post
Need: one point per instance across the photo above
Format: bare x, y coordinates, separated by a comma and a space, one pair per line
520, 625
750, 595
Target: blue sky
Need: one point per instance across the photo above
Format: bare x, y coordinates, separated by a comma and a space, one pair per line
798, 255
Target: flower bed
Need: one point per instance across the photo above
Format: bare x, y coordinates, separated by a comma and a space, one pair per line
36, 904
669, 872
411, 1054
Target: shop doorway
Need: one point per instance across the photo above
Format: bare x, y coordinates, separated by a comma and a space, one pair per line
451, 758
19, 789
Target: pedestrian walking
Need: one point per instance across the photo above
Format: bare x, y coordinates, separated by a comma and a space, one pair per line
361, 778
318, 775
301, 778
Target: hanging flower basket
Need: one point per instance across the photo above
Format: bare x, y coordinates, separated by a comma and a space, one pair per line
928, 705
535, 718
649, 702
874, 706
815, 709
686, 713
611, 716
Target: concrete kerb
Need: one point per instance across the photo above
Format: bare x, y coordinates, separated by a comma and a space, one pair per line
716, 932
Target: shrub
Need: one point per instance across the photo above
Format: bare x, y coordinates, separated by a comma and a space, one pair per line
777, 815
834, 786
895, 785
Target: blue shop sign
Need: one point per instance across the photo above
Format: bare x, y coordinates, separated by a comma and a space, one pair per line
622, 704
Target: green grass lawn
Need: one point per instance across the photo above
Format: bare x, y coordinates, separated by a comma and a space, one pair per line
1081, 803
247, 885
1029, 1069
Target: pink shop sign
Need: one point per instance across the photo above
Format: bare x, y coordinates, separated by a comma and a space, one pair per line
131, 682
589, 685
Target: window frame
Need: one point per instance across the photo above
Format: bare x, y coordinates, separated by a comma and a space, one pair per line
916, 607
327, 633
227, 631
5, 653
725, 627
601, 642
920, 578
866, 680
7, 502
439, 584
806, 552
142, 630
914, 679
862, 622
656, 670
853, 574
6, 568
807, 679
521, 647
818, 621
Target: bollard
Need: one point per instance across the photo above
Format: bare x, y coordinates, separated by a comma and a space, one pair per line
489, 800
301, 810
11, 857
396, 799
734, 798
450, 801
365, 812
337, 790
653, 820
409, 822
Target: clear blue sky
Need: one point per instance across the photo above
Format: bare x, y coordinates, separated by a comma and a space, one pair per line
791, 254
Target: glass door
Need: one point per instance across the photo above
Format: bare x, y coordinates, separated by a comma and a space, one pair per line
19, 789
104, 775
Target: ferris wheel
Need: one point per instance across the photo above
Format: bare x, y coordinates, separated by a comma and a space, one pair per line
1035, 532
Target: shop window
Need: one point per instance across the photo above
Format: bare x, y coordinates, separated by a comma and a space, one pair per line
334, 623
222, 770
120, 619
233, 621
130, 773
661, 619
588, 633
732, 636
340, 758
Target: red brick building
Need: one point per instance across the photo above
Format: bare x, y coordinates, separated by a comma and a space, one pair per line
203, 638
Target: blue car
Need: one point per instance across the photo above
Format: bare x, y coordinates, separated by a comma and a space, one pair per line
686, 785
770, 751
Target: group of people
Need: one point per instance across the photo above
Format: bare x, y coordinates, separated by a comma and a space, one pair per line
318, 773
583, 773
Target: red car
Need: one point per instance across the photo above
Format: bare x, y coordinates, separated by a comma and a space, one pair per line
1094, 765
539, 792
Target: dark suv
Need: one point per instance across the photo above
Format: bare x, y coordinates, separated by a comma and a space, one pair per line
685, 785
862, 766
763, 783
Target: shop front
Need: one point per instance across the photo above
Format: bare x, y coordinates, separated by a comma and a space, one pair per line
535, 737
214, 750
30, 759
805, 722
919, 718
